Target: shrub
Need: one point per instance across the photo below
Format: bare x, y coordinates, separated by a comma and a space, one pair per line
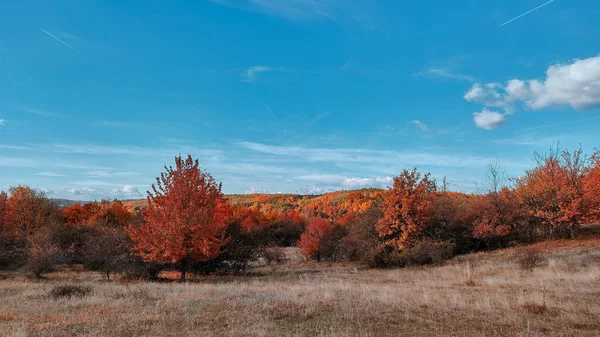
362, 240
69, 291
108, 250
427, 252
530, 259
43, 259
321, 239
285, 230
13, 252
242, 248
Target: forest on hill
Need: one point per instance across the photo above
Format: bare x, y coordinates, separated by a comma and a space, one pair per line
332, 205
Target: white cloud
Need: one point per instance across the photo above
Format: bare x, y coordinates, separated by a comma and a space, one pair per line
487, 95
251, 73
367, 182
95, 193
420, 125
1, 122
488, 119
575, 84
130, 189
256, 190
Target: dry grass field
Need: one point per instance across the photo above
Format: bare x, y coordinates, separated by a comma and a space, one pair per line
548, 289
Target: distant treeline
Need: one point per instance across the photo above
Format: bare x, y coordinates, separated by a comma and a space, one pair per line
189, 225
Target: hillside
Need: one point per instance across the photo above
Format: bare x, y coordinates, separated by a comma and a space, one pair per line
333, 205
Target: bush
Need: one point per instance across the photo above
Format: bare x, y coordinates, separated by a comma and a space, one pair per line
243, 248
13, 252
362, 242
273, 255
43, 259
284, 232
71, 239
427, 252
69, 291
137, 269
108, 250
530, 260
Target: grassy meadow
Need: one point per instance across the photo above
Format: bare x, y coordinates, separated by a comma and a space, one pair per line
546, 289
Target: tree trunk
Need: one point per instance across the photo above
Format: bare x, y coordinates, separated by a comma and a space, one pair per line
183, 270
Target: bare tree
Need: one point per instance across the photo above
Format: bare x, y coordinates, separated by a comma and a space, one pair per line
495, 178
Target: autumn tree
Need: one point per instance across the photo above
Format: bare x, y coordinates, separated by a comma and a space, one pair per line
111, 213
591, 190
186, 218
553, 191
320, 239
407, 209
28, 211
3, 210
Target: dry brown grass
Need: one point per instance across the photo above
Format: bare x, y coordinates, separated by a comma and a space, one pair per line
484, 294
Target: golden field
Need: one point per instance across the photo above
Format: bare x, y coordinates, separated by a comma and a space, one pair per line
547, 289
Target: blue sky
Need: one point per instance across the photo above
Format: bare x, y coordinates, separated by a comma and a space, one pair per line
301, 96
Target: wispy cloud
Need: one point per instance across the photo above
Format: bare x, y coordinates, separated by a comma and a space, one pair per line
528, 12
420, 125
40, 112
335, 11
49, 174
561, 123
363, 156
251, 73
68, 45
104, 173
1, 122
437, 72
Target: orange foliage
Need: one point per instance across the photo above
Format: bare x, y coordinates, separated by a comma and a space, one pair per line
104, 212
3, 209
591, 190
407, 209
496, 215
314, 240
553, 191
186, 218
27, 211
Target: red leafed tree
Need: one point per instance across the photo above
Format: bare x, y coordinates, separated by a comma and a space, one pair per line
317, 239
591, 190
186, 218
3, 209
408, 208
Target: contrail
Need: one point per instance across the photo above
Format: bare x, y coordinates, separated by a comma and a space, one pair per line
271, 112
68, 45
522, 15
562, 123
